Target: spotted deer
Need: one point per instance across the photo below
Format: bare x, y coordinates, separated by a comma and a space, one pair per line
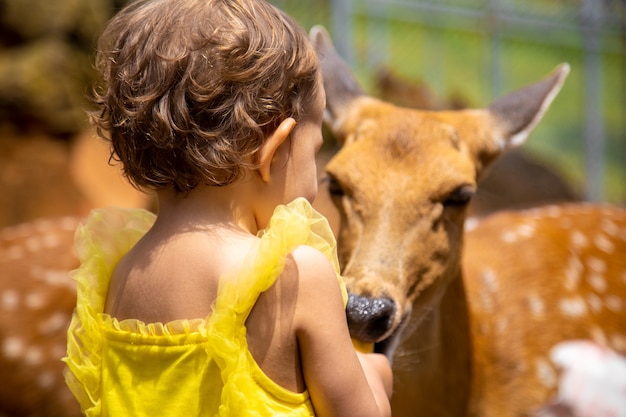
473, 333
37, 298
534, 279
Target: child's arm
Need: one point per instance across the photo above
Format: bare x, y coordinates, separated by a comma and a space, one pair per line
340, 382
378, 373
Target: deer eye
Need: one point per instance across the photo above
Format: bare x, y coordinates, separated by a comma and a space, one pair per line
460, 196
334, 188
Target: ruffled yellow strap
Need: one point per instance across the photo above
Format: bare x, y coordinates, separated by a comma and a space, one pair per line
106, 236
291, 226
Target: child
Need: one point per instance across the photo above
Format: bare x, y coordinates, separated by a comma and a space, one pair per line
227, 302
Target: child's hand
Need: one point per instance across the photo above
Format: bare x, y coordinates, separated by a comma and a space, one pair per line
378, 372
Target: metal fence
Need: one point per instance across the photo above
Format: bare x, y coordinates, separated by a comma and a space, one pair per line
483, 48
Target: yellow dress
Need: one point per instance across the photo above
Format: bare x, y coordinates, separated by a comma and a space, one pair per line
183, 368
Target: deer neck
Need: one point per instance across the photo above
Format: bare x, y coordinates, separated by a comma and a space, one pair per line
437, 358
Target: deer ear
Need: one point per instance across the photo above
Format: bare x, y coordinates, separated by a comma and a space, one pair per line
517, 114
339, 83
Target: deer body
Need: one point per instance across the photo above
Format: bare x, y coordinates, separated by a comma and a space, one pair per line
37, 298
471, 340
535, 278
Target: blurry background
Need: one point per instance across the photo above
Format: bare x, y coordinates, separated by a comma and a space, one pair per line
422, 53
50, 163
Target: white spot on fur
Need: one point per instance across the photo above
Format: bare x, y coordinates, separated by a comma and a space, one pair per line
609, 227
534, 213
33, 356
14, 253
594, 302
490, 280
579, 240
471, 224
596, 264
10, 300
614, 303
54, 323
573, 307
545, 373
526, 230
35, 300
597, 282
487, 301
46, 380
69, 223
50, 240
509, 237
554, 212
56, 277
33, 244
536, 305
573, 273
522, 231
604, 243
12, 347
501, 324
566, 222
598, 336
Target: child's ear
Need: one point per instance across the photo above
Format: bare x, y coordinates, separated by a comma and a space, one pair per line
271, 145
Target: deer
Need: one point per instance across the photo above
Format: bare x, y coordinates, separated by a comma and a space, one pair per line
37, 295
577, 291
37, 298
468, 318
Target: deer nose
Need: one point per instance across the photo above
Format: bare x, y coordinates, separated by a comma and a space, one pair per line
369, 318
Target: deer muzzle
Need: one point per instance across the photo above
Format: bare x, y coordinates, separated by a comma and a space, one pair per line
369, 319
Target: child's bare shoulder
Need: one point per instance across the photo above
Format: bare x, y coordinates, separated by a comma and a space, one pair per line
310, 260
176, 277
317, 277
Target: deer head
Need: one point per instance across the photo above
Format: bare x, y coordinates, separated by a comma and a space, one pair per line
401, 182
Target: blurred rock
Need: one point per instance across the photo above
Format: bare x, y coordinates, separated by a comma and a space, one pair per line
43, 87
46, 62
76, 20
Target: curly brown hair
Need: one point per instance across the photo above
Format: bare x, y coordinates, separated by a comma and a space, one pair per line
191, 88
